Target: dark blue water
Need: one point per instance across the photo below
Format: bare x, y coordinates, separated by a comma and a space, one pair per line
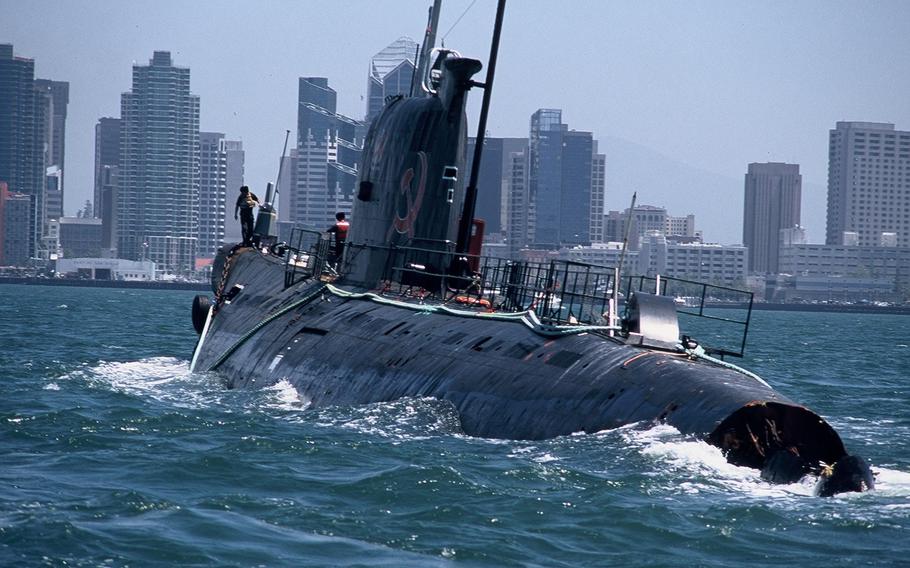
113, 454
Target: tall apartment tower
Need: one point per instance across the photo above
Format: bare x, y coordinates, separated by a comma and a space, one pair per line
868, 184
493, 180
107, 166
328, 155
157, 202
54, 96
220, 176
522, 211
391, 73
773, 193
22, 136
565, 182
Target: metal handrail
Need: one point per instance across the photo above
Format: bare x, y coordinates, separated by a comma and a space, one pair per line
559, 291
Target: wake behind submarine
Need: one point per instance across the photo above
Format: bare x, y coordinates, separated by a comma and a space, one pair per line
521, 350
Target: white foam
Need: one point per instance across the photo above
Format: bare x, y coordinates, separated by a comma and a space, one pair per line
892, 482
51, 387
703, 465
284, 396
166, 379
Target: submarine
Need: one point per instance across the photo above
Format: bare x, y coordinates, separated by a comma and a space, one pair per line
521, 350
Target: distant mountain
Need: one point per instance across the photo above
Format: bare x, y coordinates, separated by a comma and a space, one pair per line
716, 200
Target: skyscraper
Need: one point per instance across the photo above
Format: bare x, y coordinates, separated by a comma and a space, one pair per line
565, 182
157, 202
15, 220
22, 131
773, 193
328, 155
220, 175
493, 180
868, 184
54, 96
391, 73
519, 231
107, 166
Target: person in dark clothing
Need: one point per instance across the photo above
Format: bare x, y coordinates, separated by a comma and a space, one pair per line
340, 230
245, 203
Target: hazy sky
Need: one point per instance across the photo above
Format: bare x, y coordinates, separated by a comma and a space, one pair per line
713, 85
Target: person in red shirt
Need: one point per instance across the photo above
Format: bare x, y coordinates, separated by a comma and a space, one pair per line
340, 230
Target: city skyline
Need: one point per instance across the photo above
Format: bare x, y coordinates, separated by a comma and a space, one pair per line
708, 86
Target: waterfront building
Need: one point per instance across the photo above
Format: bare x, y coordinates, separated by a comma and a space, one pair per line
106, 269
521, 210
703, 262
53, 194
563, 188
682, 227
645, 219
157, 197
391, 73
107, 164
15, 220
286, 184
22, 138
881, 263
328, 156
773, 193
868, 184
598, 195
79, 237
220, 175
493, 180
601, 254
54, 97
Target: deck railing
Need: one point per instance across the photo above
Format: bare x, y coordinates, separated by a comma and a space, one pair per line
559, 291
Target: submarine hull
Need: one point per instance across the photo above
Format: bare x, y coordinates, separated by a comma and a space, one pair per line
503, 379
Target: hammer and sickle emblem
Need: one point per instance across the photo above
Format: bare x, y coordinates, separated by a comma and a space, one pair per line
405, 225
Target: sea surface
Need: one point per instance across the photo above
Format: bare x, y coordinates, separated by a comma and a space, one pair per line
113, 454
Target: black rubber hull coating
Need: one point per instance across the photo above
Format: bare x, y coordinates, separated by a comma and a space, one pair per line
504, 380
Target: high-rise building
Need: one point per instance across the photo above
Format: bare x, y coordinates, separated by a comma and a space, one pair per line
519, 231
868, 184
220, 174
157, 201
286, 184
15, 220
391, 73
107, 165
22, 136
328, 155
565, 182
493, 180
644, 219
598, 195
772, 202
54, 96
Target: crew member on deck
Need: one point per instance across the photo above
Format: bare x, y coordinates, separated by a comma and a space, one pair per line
245, 203
340, 229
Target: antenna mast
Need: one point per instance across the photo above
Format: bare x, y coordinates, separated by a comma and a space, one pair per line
429, 41
470, 198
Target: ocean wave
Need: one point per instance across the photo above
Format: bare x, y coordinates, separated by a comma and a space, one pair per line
165, 379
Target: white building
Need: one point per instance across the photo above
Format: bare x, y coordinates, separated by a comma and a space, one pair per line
107, 268
868, 184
